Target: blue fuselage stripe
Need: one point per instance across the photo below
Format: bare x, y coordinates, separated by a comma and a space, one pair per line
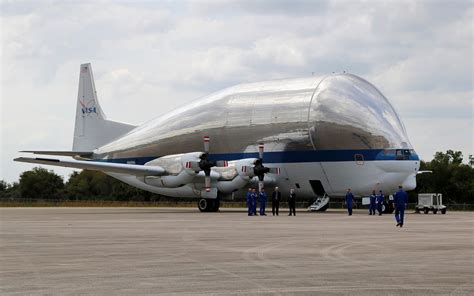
294, 156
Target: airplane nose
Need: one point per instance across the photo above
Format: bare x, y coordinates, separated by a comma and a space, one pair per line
409, 183
397, 173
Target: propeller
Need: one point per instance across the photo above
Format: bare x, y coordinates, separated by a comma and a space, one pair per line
259, 169
205, 164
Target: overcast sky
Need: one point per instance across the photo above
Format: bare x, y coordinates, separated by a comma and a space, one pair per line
153, 56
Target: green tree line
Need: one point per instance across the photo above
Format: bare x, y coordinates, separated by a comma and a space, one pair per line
449, 176
40, 183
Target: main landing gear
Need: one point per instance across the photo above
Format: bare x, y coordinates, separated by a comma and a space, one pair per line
208, 205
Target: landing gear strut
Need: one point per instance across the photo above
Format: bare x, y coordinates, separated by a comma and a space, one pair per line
208, 205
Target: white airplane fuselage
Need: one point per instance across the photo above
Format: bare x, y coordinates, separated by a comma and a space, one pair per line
338, 130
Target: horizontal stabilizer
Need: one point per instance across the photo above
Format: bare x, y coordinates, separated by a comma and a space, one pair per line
424, 172
62, 153
131, 169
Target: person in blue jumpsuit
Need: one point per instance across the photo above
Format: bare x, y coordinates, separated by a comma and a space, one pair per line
249, 202
349, 200
254, 202
263, 201
380, 199
401, 200
372, 206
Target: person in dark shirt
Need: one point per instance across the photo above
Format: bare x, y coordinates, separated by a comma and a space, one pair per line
254, 202
249, 202
292, 202
372, 206
276, 197
400, 200
263, 201
380, 200
349, 200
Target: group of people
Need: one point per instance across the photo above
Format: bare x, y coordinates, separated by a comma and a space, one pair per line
400, 200
376, 202
261, 197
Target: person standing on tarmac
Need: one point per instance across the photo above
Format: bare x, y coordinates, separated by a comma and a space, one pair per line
276, 197
263, 201
401, 201
249, 202
380, 200
372, 207
254, 202
292, 202
349, 200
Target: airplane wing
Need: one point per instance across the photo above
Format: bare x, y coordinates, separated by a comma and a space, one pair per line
131, 169
61, 153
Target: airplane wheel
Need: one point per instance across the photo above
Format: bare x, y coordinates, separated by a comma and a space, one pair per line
215, 205
426, 210
443, 211
208, 205
203, 205
387, 208
417, 210
435, 211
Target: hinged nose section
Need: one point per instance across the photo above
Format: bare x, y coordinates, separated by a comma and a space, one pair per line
347, 112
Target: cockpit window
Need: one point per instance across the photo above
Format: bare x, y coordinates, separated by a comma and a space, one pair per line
403, 154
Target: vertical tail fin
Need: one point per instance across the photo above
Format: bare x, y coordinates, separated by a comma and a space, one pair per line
92, 129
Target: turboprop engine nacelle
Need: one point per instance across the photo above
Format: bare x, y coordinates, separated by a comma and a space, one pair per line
177, 172
241, 179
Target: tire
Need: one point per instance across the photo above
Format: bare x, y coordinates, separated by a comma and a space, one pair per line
435, 211
443, 211
417, 210
426, 210
387, 208
215, 205
208, 205
203, 205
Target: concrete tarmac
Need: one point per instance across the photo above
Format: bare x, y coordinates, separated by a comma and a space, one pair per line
145, 251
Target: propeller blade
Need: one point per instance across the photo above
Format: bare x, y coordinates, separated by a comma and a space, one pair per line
260, 186
260, 151
206, 143
207, 183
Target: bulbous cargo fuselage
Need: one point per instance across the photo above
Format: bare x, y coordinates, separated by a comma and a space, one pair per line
325, 133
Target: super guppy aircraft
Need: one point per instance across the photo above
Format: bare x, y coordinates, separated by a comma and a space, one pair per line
321, 135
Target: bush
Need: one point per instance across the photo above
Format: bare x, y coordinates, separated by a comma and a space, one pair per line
41, 184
